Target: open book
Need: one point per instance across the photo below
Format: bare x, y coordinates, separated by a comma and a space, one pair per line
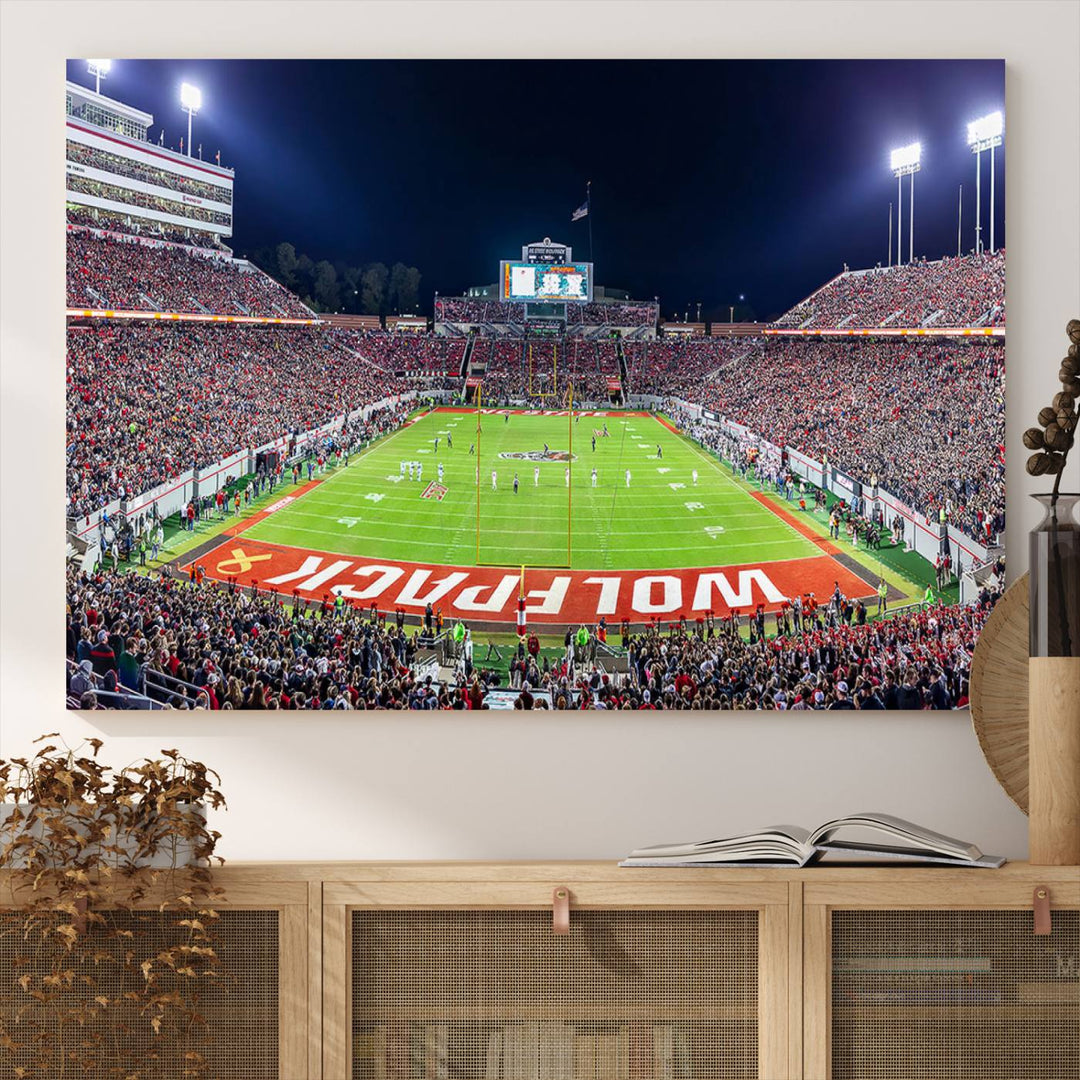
864, 837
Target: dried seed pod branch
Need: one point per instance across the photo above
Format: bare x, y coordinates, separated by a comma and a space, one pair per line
1054, 437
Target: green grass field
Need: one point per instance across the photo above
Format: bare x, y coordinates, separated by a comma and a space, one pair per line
663, 520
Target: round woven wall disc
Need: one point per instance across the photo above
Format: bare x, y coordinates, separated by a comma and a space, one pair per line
999, 692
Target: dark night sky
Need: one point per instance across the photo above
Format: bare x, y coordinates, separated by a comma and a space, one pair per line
710, 178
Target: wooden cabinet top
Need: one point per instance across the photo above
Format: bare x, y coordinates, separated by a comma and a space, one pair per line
588, 871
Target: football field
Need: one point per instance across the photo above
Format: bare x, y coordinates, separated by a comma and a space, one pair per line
661, 520
615, 514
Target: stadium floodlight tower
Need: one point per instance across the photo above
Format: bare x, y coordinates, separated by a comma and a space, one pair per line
984, 134
191, 103
99, 69
905, 161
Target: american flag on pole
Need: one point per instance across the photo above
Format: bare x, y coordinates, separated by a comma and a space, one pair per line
581, 211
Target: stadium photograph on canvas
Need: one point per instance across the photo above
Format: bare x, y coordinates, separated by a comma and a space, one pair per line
663, 385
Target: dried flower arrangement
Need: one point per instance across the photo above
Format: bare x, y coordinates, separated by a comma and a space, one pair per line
107, 929
1053, 440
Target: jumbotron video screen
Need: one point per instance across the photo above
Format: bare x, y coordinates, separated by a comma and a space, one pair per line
539, 281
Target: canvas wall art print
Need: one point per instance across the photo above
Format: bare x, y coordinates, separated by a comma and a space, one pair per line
532, 384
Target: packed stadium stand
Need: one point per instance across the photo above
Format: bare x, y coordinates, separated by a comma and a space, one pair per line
407, 353
114, 224
629, 314
146, 402
674, 366
541, 371
922, 416
476, 311
466, 310
954, 292
127, 274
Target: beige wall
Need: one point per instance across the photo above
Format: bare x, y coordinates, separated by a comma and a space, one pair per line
391, 786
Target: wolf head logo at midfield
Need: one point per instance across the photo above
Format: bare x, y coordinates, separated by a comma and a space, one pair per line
787, 493
539, 455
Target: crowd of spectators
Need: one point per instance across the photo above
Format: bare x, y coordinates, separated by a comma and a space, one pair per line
613, 314
94, 217
222, 649
924, 418
497, 362
107, 272
408, 353
957, 292
199, 644
467, 309
496, 353
677, 365
607, 357
915, 659
147, 402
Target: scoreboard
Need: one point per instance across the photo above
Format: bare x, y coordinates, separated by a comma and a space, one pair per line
523, 281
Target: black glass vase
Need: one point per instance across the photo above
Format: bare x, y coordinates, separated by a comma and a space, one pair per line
1055, 578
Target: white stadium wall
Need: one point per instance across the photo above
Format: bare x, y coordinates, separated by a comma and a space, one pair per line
514, 785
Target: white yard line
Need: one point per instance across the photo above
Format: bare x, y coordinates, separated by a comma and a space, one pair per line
584, 570
717, 464
445, 527
533, 547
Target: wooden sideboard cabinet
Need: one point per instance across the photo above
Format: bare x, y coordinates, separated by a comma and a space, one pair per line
396, 971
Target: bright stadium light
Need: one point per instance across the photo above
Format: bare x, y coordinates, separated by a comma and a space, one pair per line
191, 103
190, 97
986, 133
986, 128
906, 157
905, 161
99, 69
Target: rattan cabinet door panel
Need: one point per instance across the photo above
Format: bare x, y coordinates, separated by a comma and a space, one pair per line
234, 1021
954, 995
496, 995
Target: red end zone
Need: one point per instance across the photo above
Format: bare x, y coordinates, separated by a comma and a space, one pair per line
489, 594
540, 412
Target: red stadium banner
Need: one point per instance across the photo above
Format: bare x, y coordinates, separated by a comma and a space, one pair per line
614, 385
473, 380
185, 316
895, 331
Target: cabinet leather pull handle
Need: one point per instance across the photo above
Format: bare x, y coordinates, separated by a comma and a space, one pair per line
560, 911
1040, 903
